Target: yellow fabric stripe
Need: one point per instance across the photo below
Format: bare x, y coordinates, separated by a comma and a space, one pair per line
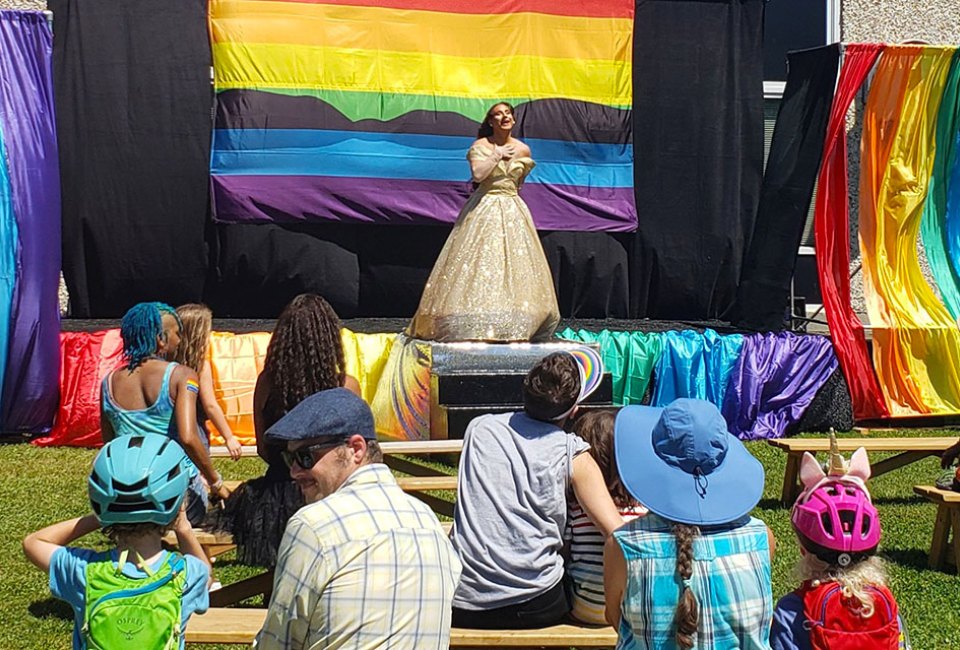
378, 28
917, 355
265, 66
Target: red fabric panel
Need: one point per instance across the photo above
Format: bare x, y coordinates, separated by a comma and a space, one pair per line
85, 358
831, 230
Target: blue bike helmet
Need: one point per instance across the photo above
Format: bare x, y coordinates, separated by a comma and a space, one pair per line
138, 479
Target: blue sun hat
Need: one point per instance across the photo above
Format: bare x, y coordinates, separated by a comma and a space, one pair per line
682, 463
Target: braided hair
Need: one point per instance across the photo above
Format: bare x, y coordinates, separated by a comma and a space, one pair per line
305, 355
139, 329
687, 615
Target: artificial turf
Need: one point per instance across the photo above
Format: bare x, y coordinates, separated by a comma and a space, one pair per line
41, 486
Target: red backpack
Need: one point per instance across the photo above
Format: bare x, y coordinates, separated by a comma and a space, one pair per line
835, 622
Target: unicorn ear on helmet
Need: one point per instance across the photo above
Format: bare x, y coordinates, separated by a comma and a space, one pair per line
810, 471
859, 465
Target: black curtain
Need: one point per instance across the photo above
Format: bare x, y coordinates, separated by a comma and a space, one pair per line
792, 167
134, 103
698, 139
133, 96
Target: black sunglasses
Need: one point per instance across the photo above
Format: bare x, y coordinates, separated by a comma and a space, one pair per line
304, 457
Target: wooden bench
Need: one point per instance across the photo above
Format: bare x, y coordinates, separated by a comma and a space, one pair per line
942, 548
222, 625
908, 450
407, 447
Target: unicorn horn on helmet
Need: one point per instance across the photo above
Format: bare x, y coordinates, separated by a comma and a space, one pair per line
836, 466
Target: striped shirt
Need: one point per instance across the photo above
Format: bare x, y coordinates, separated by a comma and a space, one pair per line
585, 568
367, 567
731, 580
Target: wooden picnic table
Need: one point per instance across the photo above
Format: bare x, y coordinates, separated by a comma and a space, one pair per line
237, 625
907, 450
942, 548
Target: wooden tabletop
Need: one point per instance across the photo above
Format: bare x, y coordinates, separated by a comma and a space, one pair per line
870, 444
410, 447
936, 494
237, 625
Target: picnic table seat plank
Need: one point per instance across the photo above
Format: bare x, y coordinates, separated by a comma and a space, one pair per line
906, 450
237, 625
942, 548
389, 447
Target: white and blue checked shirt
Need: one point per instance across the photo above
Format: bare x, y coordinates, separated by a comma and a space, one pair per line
731, 580
367, 567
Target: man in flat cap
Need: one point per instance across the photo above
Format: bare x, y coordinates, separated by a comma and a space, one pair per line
363, 564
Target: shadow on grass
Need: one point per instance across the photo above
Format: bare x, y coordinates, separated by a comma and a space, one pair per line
770, 504
51, 608
905, 500
912, 557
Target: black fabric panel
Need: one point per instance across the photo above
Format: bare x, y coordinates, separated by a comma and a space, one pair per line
553, 119
698, 133
590, 271
788, 181
394, 265
133, 93
262, 267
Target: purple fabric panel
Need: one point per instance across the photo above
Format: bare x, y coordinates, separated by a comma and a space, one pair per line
256, 199
30, 392
773, 382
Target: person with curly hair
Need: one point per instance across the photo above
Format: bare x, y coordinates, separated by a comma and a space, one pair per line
305, 356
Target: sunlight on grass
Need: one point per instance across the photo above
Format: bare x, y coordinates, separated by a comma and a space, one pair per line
41, 486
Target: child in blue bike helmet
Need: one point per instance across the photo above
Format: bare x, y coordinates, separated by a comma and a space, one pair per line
135, 595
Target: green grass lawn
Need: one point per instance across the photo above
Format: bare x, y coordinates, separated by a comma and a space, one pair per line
40, 486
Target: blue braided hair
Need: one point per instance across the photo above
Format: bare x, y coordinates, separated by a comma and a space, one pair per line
139, 329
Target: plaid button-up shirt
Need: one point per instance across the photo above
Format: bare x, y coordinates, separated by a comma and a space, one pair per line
367, 567
731, 580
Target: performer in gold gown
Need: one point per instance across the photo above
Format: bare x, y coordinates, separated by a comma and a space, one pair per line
491, 281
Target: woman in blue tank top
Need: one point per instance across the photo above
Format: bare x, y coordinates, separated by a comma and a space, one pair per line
152, 395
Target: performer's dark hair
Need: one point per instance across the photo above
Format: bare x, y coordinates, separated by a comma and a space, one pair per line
486, 129
551, 387
305, 355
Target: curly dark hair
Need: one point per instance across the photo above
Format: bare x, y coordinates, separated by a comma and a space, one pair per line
305, 355
551, 387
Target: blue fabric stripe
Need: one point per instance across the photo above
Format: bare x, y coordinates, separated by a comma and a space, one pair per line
306, 152
9, 238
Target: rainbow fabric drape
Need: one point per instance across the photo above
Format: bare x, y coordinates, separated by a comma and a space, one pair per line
363, 111
909, 184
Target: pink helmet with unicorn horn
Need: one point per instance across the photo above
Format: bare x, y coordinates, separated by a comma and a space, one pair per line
834, 516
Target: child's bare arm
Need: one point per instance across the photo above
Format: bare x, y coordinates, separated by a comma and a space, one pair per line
40, 546
592, 494
208, 398
187, 540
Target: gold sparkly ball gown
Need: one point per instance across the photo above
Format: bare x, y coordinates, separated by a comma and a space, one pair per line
491, 281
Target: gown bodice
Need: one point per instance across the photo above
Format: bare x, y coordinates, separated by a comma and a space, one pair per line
507, 177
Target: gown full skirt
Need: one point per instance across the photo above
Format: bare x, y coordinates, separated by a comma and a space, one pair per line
491, 281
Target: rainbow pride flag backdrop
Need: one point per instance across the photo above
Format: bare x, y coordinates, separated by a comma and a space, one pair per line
363, 110
909, 198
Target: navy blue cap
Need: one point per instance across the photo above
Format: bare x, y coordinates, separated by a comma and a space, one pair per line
333, 413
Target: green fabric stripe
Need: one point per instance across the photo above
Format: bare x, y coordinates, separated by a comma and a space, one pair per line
629, 357
379, 106
933, 222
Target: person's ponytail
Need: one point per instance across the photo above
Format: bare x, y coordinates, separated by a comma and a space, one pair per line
687, 614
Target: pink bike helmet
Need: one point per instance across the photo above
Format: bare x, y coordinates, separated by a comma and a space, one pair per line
837, 522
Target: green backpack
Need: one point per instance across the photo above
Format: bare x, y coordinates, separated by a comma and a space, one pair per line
142, 613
